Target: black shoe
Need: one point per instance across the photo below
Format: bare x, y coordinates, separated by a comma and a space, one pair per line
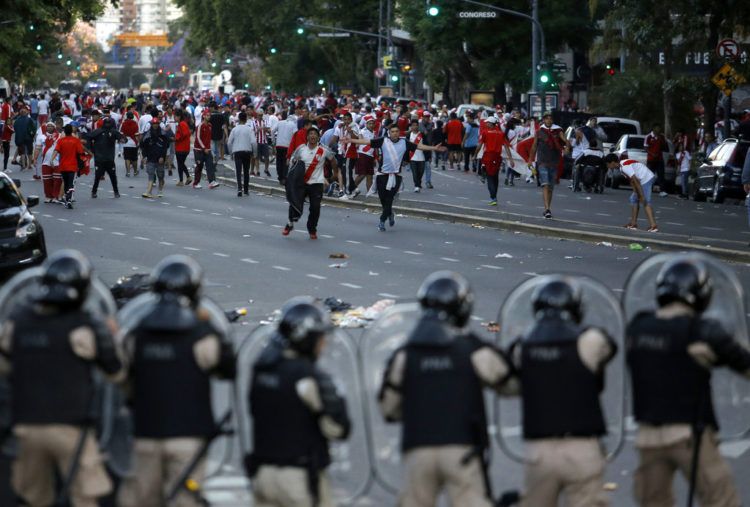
547, 214
506, 182
239, 193
69, 205
117, 195
93, 195
246, 192
392, 220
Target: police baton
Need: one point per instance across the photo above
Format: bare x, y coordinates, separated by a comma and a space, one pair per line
184, 481
698, 428
62, 498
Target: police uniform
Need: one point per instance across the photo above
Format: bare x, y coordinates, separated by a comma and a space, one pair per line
670, 354
561, 374
51, 356
296, 411
433, 385
172, 354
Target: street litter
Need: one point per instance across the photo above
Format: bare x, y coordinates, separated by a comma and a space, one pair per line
338, 265
604, 243
338, 256
636, 247
477, 226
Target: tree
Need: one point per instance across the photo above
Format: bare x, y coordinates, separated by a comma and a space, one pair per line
35, 30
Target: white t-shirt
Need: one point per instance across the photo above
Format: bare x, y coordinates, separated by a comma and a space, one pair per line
683, 158
284, 132
43, 106
632, 168
341, 132
270, 122
366, 149
418, 154
306, 155
47, 157
144, 124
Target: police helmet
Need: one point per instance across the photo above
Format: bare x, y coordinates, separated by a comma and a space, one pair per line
66, 279
303, 322
559, 297
449, 295
686, 281
178, 275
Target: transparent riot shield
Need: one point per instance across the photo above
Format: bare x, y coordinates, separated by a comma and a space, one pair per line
117, 425
25, 286
601, 310
349, 470
731, 393
379, 342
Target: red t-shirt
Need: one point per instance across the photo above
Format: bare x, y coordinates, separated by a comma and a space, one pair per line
654, 146
182, 138
7, 132
203, 136
493, 140
454, 132
69, 147
129, 128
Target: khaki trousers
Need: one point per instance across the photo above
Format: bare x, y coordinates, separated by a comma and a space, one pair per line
157, 465
573, 466
652, 483
287, 487
43, 449
429, 470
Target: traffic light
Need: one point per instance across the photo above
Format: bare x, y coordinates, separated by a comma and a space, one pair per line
610, 70
38, 47
394, 78
321, 82
228, 61
432, 10
213, 65
273, 51
59, 56
300, 30
68, 63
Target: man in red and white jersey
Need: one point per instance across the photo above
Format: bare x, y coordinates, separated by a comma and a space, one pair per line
642, 180
347, 152
262, 132
491, 142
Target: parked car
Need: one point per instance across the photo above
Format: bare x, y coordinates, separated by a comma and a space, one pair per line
631, 146
615, 128
21, 236
720, 175
463, 108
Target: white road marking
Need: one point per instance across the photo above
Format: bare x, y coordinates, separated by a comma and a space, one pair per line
256, 222
281, 268
63, 220
118, 233
387, 295
449, 259
327, 236
215, 214
604, 214
381, 247
236, 218
96, 228
249, 261
166, 243
463, 198
198, 210
141, 238
530, 273
674, 223
410, 252
317, 277
350, 285
219, 254
181, 207
276, 226
46, 215
712, 228
490, 266
572, 210
353, 242
78, 232
165, 203
79, 224
191, 248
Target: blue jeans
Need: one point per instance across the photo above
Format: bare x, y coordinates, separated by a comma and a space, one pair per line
684, 177
547, 176
215, 148
646, 193
427, 172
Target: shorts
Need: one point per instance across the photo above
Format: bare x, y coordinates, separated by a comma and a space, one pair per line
365, 166
154, 171
647, 187
130, 153
262, 150
547, 176
455, 147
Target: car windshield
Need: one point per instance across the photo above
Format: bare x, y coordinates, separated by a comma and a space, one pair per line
635, 143
615, 131
8, 196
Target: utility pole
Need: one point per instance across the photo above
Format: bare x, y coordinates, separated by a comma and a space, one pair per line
534, 45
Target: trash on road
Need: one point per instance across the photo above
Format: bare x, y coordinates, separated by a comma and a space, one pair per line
573, 257
636, 247
336, 305
477, 226
492, 326
339, 265
338, 256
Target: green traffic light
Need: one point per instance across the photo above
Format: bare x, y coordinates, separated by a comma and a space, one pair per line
544, 78
300, 30
433, 11
321, 82
59, 56
68, 62
213, 64
38, 47
273, 51
228, 60
394, 78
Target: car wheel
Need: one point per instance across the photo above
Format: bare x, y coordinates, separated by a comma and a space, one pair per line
717, 195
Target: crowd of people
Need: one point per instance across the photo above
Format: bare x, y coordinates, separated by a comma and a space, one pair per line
156, 133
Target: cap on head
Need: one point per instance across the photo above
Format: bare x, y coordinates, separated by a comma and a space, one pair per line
685, 281
492, 120
448, 295
559, 297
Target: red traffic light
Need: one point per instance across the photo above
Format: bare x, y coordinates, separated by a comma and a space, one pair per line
161, 71
611, 72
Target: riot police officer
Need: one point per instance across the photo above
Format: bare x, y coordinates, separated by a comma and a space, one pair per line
561, 365
433, 384
670, 353
295, 410
172, 351
52, 345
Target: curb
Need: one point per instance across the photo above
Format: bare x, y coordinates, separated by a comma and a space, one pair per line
728, 254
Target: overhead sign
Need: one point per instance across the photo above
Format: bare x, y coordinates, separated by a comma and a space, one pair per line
727, 79
728, 48
135, 40
334, 34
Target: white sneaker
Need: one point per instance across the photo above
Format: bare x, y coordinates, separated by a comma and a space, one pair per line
354, 194
417, 190
663, 194
214, 184
346, 197
197, 186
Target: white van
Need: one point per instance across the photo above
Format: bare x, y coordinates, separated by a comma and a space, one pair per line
615, 128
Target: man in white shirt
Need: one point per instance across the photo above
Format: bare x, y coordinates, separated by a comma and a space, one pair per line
365, 168
416, 157
642, 180
43, 106
347, 152
309, 185
241, 143
283, 132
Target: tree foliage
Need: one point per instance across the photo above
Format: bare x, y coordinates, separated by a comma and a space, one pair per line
51, 20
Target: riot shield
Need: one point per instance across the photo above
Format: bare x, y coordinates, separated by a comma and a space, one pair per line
25, 286
601, 310
731, 394
349, 470
379, 343
117, 426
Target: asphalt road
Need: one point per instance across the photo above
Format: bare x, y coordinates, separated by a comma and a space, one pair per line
248, 263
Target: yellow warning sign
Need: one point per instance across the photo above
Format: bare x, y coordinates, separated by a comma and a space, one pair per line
727, 79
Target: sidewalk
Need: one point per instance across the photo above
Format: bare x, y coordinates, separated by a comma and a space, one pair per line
720, 229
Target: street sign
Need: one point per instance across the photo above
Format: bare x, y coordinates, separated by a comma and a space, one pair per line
727, 79
535, 102
387, 62
728, 48
379, 73
560, 67
334, 34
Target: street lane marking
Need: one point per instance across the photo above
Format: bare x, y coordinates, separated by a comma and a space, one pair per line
675, 223
387, 295
181, 207
198, 210
381, 247
604, 214
572, 210
410, 252
353, 242
712, 228
166, 243
46, 215
118, 233
236, 218
191, 248
490, 266
256, 222
79, 224
63, 219
219, 254
449, 259
215, 214
141, 238
96, 228
249, 261
317, 277
327, 236
276, 226
530, 273
350, 285
281, 268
